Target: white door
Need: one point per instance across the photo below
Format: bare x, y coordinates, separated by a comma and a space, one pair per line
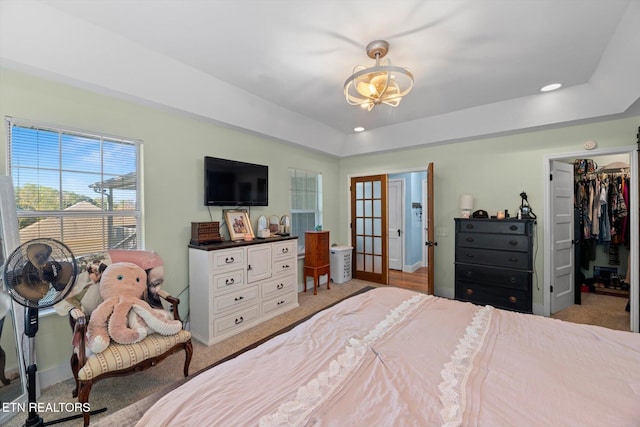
395, 223
562, 257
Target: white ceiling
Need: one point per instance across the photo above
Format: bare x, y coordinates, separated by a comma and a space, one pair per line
277, 67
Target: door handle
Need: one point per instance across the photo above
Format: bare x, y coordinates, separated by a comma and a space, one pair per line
398, 232
428, 243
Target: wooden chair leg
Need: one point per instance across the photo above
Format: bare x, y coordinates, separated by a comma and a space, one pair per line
187, 359
83, 397
74, 369
3, 379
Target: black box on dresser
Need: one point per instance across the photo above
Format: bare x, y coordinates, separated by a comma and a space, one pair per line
494, 262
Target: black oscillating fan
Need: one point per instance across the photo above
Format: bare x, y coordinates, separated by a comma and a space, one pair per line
38, 274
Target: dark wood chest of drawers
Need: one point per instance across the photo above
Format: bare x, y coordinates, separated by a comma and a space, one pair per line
494, 262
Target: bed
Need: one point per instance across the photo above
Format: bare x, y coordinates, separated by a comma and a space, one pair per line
392, 357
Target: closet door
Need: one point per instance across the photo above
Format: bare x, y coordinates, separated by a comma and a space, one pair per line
562, 257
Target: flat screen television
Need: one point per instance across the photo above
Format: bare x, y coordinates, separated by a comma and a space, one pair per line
234, 183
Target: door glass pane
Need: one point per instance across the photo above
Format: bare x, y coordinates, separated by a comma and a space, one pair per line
359, 191
368, 245
359, 226
377, 189
377, 267
360, 262
360, 244
359, 208
367, 190
377, 227
377, 246
367, 208
368, 263
377, 208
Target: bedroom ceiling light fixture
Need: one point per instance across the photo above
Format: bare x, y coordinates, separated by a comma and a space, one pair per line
380, 84
551, 87
358, 129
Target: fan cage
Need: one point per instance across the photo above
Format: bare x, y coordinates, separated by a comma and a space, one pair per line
18, 264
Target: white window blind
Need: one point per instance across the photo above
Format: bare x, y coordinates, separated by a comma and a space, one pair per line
80, 188
306, 203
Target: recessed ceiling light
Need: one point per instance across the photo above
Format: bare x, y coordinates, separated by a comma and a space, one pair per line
549, 88
358, 129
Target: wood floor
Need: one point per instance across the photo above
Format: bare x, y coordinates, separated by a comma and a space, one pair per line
416, 281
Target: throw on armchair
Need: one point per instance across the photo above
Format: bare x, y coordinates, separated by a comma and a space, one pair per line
125, 359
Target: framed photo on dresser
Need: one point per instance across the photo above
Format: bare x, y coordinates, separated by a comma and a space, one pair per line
238, 223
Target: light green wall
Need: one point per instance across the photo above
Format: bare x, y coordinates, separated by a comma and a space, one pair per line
495, 171
174, 146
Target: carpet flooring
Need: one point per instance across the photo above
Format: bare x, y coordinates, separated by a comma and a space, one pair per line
135, 393
600, 310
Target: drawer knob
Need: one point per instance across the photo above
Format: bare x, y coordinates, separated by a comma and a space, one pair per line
513, 280
513, 299
513, 242
280, 302
513, 259
470, 255
513, 227
469, 273
229, 281
280, 286
229, 260
469, 225
285, 250
239, 298
470, 239
469, 291
239, 320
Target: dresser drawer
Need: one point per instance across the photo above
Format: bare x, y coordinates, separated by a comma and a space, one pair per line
503, 277
235, 299
278, 287
517, 260
227, 282
278, 303
495, 227
236, 320
510, 299
226, 259
284, 266
285, 249
493, 241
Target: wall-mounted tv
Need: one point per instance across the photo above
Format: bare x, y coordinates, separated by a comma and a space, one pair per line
234, 183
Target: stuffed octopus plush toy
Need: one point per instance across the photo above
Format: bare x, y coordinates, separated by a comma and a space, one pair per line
123, 316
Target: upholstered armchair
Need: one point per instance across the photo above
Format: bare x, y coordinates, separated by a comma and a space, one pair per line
125, 359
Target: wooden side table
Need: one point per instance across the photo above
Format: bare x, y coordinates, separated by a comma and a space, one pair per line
316, 258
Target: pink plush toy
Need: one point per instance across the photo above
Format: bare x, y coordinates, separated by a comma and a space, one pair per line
121, 286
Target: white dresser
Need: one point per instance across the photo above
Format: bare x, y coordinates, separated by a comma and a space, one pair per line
234, 286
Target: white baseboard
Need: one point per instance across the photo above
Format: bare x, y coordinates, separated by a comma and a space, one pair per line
54, 375
412, 268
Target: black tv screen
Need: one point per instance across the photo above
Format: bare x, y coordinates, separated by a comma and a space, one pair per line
234, 183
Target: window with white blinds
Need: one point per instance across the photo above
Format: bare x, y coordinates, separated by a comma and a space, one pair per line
80, 188
306, 203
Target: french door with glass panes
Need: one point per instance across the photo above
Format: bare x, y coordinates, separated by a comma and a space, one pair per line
369, 228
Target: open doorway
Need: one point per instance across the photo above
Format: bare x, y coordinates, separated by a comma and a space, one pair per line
594, 282
406, 265
408, 262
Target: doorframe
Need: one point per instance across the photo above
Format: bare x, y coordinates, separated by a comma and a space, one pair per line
378, 172
634, 248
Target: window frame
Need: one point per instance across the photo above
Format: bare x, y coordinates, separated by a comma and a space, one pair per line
318, 211
137, 212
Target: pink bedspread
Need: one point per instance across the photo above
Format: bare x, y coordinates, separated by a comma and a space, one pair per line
392, 357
